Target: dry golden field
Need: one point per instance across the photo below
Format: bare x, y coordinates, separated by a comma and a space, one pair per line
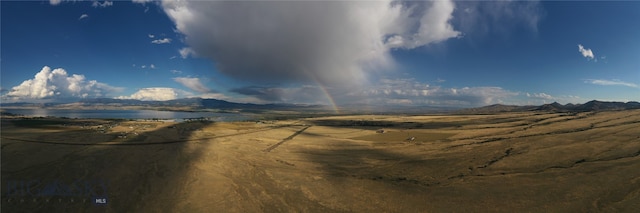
510, 162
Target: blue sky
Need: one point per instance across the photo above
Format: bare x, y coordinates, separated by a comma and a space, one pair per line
443, 53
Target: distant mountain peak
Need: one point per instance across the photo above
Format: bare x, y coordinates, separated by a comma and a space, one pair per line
593, 105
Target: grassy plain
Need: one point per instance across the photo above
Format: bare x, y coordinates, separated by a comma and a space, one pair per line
509, 162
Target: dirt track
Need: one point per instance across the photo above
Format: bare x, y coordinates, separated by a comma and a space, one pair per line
519, 162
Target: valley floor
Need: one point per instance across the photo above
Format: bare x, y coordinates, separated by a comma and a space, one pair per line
522, 162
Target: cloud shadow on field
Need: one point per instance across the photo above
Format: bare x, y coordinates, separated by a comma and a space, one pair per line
362, 164
131, 174
378, 124
346, 160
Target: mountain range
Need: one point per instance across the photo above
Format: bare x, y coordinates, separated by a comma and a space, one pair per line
188, 104
593, 105
196, 104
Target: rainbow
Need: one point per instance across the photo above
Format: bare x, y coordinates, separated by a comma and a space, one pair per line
324, 91
329, 98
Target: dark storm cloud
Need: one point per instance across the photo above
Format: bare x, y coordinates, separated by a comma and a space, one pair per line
337, 46
330, 42
304, 94
262, 93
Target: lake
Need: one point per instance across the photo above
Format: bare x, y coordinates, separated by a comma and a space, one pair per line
128, 114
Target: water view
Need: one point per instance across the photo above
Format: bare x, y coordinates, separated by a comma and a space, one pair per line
128, 114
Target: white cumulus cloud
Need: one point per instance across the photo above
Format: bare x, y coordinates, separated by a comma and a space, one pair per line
155, 94
541, 95
141, 1
52, 84
103, 4
161, 41
185, 52
587, 53
412, 92
219, 96
55, 2
544, 98
193, 83
151, 66
433, 27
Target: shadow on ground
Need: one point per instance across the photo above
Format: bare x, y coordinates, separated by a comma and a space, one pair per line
44, 172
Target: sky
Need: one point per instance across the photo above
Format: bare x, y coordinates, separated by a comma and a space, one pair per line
335, 53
